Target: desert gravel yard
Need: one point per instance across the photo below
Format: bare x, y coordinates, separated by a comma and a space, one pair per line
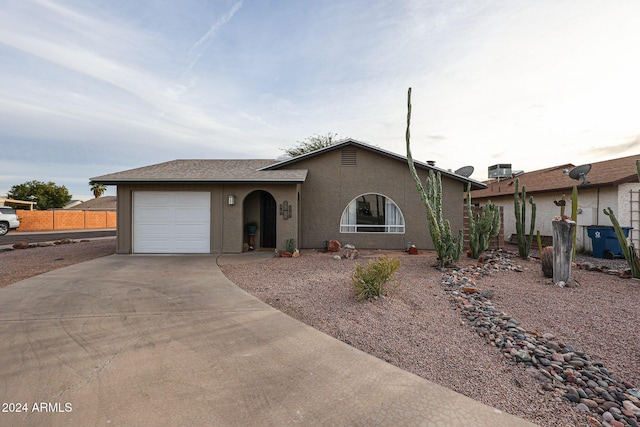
20, 264
418, 328
421, 329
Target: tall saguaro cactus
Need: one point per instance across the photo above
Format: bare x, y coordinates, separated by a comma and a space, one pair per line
483, 225
574, 218
520, 205
447, 246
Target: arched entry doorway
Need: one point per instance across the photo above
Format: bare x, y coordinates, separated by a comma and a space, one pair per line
260, 207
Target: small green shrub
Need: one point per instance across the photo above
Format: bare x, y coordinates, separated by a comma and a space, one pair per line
371, 280
291, 245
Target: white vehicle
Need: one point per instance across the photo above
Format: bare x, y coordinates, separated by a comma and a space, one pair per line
8, 219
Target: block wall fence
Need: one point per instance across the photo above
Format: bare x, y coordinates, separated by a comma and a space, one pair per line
65, 220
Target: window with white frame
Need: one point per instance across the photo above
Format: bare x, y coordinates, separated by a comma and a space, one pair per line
372, 213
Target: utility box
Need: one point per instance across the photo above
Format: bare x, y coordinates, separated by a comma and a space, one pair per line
605, 241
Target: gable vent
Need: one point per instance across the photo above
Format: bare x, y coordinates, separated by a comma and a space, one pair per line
349, 157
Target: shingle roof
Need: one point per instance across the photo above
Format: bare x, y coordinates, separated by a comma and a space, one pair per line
100, 204
205, 170
256, 170
602, 174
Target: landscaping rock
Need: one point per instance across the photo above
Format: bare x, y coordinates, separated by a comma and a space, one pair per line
629, 406
559, 367
350, 252
21, 245
333, 246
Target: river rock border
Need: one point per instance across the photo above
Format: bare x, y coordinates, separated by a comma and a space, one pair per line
559, 367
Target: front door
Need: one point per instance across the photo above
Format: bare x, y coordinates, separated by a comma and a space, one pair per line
267, 220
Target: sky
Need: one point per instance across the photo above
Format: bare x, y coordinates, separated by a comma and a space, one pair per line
91, 87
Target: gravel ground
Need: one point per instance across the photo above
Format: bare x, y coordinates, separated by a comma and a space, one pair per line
417, 328
20, 264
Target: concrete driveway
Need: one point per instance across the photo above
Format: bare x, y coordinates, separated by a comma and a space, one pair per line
168, 340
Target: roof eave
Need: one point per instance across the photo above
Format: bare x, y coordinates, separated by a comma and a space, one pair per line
475, 185
196, 181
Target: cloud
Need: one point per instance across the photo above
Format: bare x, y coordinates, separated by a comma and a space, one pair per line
200, 46
617, 150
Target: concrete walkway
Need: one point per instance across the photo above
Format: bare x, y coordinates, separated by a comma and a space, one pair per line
168, 340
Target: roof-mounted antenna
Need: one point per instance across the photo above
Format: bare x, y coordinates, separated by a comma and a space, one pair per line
580, 173
465, 171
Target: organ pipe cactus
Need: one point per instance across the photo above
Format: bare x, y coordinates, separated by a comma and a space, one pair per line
524, 242
574, 218
447, 246
484, 224
627, 248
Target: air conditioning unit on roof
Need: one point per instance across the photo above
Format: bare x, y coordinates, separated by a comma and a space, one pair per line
501, 170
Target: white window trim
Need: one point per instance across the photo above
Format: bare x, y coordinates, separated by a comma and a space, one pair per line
346, 227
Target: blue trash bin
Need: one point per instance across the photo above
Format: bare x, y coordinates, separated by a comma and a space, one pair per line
605, 241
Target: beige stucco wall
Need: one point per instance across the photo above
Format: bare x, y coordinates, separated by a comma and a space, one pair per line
227, 222
591, 203
330, 187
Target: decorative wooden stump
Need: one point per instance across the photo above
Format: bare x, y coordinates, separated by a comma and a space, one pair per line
562, 250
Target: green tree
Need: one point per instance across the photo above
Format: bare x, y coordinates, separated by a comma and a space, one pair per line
97, 189
46, 195
311, 143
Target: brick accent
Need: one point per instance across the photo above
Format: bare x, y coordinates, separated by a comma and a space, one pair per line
54, 220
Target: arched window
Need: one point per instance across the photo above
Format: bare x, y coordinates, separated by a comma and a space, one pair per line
372, 213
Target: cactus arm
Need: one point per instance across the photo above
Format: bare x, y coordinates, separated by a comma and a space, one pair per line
412, 167
516, 205
447, 247
539, 242
520, 207
533, 224
523, 216
574, 218
627, 250
473, 235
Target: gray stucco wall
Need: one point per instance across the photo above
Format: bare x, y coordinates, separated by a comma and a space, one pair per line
330, 187
227, 222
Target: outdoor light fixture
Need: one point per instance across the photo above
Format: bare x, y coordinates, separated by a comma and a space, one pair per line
285, 210
232, 199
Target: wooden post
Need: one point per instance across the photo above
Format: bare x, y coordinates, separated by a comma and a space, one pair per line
562, 250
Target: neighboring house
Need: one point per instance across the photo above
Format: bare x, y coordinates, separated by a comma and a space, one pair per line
611, 183
18, 204
105, 203
351, 191
72, 204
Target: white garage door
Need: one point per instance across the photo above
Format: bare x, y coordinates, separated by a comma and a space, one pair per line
171, 222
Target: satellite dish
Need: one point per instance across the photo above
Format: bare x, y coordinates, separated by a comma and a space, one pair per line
580, 172
465, 171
